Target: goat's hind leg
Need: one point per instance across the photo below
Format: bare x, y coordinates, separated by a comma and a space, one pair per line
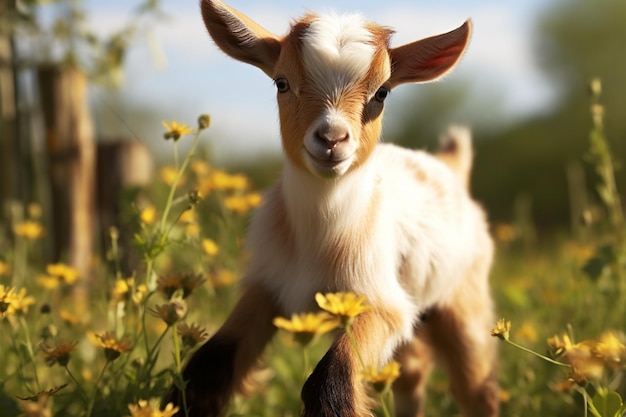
219, 367
416, 362
459, 333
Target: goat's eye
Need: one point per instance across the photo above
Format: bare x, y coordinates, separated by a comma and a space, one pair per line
381, 94
282, 85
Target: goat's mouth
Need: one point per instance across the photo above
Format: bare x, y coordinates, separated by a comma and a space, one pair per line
330, 165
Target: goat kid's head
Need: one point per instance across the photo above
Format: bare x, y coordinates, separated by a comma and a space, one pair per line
332, 74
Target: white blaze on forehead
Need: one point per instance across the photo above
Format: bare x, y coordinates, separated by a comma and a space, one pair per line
337, 50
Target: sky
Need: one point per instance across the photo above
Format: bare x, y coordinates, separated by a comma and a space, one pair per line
174, 69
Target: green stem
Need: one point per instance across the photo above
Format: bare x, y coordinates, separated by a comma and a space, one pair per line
29, 347
80, 388
383, 404
179, 173
179, 370
94, 392
354, 345
532, 352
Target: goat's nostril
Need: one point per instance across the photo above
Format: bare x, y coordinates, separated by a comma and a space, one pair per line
332, 137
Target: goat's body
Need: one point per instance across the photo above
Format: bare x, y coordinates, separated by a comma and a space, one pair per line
394, 225
400, 230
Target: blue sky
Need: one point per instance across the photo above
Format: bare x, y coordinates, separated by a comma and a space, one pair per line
175, 70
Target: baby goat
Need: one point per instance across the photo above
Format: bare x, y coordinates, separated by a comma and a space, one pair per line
348, 214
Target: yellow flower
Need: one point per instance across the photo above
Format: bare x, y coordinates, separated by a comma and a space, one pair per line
69, 318
47, 282
168, 284
242, 203
143, 409
527, 331
306, 326
200, 168
610, 347
383, 378
64, 272
59, 354
176, 130
5, 269
172, 312
148, 215
191, 335
221, 278
187, 216
120, 290
167, 174
210, 247
558, 346
13, 303
585, 363
345, 305
502, 329
29, 229
113, 347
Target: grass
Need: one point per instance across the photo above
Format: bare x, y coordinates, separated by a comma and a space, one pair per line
115, 352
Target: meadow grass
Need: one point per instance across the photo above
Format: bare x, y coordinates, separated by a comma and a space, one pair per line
110, 344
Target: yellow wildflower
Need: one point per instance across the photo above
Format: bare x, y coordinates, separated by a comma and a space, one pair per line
59, 354
200, 168
210, 247
172, 312
527, 331
29, 229
148, 215
69, 318
143, 409
502, 329
306, 326
5, 269
191, 335
382, 379
47, 282
558, 346
345, 305
120, 291
242, 203
610, 347
176, 130
113, 347
64, 272
585, 363
221, 278
12, 303
167, 174
187, 216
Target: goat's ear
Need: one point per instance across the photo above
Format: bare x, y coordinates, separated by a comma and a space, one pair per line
240, 37
430, 58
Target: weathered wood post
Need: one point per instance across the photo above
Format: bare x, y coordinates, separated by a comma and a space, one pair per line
70, 144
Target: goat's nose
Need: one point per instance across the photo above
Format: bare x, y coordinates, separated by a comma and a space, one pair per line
332, 135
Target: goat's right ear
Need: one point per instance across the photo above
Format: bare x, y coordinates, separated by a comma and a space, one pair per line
240, 37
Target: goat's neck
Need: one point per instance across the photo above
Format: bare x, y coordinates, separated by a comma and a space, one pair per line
323, 207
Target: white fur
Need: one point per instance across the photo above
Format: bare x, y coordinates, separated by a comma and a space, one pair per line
422, 240
336, 51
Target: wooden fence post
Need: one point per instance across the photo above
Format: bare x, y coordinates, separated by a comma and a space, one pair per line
70, 144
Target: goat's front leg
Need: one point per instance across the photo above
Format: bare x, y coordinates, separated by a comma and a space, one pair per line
219, 367
334, 389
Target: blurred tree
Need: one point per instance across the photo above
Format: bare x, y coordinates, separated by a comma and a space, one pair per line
575, 41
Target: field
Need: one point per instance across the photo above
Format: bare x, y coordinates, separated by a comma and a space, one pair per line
110, 344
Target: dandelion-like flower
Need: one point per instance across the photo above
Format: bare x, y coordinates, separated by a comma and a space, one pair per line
344, 305
176, 130
169, 284
502, 329
144, 409
63, 272
59, 354
381, 379
210, 247
611, 348
113, 347
14, 303
148, 215
172, 312
29, 229
191, 335
306, 326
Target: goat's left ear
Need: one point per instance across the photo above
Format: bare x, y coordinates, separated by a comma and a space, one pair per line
240, 37
430, 58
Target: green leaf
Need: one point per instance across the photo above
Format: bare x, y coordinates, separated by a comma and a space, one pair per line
608, 403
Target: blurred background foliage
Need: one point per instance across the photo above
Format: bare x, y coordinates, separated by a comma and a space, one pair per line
525, 163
